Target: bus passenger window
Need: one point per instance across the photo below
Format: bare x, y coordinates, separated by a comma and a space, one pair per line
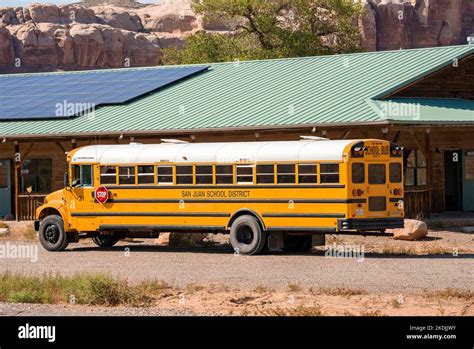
127, 175
204, 174
307, 174
165, 174
244, 174
329, 173
82, 176
184, 175
265, 174
224, 174
146, 175
358, 173
108, 175
286, 174
377, 174
395, 173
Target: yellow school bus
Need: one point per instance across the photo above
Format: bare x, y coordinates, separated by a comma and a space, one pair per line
276, 193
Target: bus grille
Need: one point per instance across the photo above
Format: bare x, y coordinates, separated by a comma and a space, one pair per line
377, 203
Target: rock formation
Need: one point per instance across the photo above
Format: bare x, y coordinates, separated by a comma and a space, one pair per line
44, 37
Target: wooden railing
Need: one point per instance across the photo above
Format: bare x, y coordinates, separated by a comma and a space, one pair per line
27, 205
417, 203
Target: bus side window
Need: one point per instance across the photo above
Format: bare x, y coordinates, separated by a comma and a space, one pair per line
286, 173
204, 174
184, 175
82, 175
244, 174
224, 174
127, 175
165, 174
307, 174
265, 174
108, 175
358, 173
329, 173
146, 175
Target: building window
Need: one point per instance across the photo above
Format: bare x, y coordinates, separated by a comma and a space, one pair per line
307, 174
165, 174
244, 174
224, 174
108, 175
127, 175
265, 174
36, 176
146, 175
329, 173
415, 170
82, 175
184, 175
204, 174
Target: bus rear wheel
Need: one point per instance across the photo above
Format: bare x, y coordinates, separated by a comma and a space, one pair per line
105, 240
52, 235
247, 236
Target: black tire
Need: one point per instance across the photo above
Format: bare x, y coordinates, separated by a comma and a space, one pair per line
298, 243
105, 240
52, 235
247, 236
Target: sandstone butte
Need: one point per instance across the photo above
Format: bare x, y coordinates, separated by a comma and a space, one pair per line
97, 36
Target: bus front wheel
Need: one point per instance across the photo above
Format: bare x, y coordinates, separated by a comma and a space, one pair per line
105, 240
247, 236
52, 235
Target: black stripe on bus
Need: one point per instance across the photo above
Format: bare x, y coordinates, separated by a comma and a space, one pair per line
149, 214
256, 186
304, 215
395, 199
161, 227
270, 201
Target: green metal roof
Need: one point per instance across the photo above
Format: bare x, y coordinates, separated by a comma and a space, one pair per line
324, 90
425, 110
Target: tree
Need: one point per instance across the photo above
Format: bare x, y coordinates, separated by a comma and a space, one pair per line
271, 29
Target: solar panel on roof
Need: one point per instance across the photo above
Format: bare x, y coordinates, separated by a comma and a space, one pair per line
49, 96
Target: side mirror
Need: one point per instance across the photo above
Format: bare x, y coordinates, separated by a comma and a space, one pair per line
66, 181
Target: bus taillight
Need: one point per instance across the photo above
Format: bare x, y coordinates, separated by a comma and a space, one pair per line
357, 192
396, 192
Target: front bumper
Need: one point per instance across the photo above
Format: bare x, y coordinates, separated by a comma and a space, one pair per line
37, 225
370, 224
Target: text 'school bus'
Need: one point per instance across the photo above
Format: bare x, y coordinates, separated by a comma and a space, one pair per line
262, 193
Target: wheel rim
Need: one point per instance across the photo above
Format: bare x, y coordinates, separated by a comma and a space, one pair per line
245, 235
51, 234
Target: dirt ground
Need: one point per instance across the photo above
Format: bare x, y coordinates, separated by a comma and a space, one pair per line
432, 276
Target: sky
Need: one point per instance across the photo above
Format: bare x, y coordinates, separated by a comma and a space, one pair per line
57, 2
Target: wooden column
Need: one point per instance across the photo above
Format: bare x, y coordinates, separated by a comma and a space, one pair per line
428, 167
17, 169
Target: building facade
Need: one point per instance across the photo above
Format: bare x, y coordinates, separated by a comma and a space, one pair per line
421, 99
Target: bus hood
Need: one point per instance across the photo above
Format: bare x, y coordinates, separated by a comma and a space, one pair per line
55, 196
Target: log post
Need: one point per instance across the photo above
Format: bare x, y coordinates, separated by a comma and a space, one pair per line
428, 168
17, 169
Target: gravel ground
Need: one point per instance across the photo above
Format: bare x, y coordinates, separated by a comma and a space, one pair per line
24, 309
378, 272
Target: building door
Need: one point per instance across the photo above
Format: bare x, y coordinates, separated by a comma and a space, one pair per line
453, 180
468, 180
5, 188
